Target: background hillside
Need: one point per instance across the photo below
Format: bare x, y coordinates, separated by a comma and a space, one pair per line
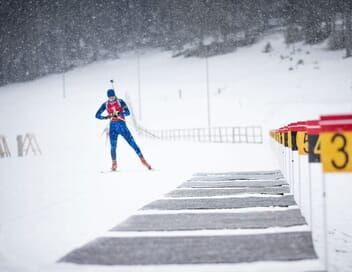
42, 37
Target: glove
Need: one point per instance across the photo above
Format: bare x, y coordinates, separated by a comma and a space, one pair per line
117, 114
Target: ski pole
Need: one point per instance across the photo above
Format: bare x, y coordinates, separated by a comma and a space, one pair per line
112, 84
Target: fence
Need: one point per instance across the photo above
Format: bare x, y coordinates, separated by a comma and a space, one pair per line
4, 149
315, 157
248, 135
25, 143
234, 135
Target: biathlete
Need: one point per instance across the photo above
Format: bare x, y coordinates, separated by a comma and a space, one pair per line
117, 111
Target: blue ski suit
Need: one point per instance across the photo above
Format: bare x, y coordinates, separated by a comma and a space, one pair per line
118, 109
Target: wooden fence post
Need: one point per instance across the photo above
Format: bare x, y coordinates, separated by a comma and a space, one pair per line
29, 142
4, 149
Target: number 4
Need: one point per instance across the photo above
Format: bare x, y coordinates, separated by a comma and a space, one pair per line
316, 149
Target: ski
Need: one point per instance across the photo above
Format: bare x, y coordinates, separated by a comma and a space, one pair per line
108, 171
119, 171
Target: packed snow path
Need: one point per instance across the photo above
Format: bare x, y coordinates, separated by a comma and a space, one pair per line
214, 220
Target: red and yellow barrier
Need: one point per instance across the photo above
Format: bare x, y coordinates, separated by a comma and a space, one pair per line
336, 143
310, 153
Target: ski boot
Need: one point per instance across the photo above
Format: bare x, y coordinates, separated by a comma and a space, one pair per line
114, 166
145, 163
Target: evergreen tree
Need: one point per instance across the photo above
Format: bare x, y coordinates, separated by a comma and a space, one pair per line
38, 37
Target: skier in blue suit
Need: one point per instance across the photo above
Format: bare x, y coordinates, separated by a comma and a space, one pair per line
117, 111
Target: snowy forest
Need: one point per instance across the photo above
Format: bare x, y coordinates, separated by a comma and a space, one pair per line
39, 37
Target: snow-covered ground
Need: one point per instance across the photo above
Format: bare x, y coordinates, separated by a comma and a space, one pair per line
53, 203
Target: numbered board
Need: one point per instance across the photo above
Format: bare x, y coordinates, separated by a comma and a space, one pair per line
289, 139
314, 148
302, 142
336, 151
294, 146
286, 139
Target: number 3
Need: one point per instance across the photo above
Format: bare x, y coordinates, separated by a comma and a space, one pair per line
341, 150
